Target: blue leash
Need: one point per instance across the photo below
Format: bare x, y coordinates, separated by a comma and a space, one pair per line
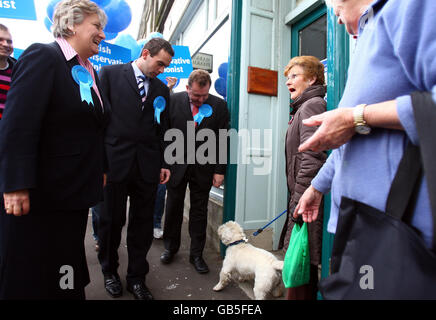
261, 229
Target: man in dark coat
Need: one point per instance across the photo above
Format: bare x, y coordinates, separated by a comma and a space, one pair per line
134, 148
190, 112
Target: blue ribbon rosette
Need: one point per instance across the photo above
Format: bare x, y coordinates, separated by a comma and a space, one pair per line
84, 80
205, 111
159, 105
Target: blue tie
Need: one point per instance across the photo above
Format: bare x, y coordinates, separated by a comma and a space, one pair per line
141, 80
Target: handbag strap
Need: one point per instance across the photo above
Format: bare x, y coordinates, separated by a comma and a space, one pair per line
416, 161
424, 109
405, 186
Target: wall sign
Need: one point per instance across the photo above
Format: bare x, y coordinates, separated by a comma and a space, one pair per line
203, 61
262, 81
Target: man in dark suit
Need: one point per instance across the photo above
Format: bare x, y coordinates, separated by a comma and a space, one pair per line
134, 144
209, 112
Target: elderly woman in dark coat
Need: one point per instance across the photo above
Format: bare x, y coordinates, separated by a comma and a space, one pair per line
52, 159
305, 81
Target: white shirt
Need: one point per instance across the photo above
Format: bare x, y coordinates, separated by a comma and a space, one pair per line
138, 73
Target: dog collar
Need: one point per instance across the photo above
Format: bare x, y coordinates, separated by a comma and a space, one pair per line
237, 242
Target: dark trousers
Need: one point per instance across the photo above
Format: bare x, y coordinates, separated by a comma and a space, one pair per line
199, 195
140, 225
42, 255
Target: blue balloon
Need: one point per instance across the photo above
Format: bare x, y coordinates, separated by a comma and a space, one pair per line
110, 36
222, 70
136, 52
119, 16
102, 3
48, 23
51, 8
127, 41
221, 86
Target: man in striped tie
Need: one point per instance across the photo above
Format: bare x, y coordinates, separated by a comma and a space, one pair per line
6, 64
135, 151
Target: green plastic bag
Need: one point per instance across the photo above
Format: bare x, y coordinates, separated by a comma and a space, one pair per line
296, 267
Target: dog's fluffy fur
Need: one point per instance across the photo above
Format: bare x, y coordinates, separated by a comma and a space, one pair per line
246, 262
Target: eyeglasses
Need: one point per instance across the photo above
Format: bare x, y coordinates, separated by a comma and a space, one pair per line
293, 76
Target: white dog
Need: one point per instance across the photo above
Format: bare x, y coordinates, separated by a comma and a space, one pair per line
246, 262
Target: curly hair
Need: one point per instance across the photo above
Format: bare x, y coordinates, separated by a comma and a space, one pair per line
71, 12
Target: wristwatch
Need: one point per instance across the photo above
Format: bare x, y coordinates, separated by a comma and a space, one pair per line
359, 123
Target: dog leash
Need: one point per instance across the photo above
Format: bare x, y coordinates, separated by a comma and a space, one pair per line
261, 229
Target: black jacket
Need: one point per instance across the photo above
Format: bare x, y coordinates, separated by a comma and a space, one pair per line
179, 115
51, 142
133, 133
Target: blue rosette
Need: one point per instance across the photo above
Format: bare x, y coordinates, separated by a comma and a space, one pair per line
205, 111
84, 80
159, 105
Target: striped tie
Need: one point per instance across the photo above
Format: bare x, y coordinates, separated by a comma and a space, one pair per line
141, 80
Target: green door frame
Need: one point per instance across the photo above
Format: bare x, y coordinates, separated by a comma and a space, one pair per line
233, 82
338, 59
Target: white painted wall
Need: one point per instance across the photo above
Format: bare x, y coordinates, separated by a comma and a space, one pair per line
208, 31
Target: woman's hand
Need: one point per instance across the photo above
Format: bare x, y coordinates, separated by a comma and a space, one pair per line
308, 205
17, 202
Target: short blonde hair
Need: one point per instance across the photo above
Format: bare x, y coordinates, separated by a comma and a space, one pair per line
311, 65
71, 12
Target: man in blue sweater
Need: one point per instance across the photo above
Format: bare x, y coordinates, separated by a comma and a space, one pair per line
394, 56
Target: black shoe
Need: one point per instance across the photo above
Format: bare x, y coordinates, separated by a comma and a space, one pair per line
199, 264
140, 291
166, 257
113, 286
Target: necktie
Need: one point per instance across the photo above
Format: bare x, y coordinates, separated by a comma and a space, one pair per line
194, 112
141, 88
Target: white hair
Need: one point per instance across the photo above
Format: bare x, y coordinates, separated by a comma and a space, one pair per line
72, 12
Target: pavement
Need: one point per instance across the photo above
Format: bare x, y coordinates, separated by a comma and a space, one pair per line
175, 281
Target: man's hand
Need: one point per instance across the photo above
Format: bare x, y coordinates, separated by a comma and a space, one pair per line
308, 206
17, 202
164, 175
336, 128
218, 180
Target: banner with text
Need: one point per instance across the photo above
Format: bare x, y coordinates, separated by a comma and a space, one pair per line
109, 54
19, 9
181, 65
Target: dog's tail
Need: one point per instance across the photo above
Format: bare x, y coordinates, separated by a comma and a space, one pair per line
278, 265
